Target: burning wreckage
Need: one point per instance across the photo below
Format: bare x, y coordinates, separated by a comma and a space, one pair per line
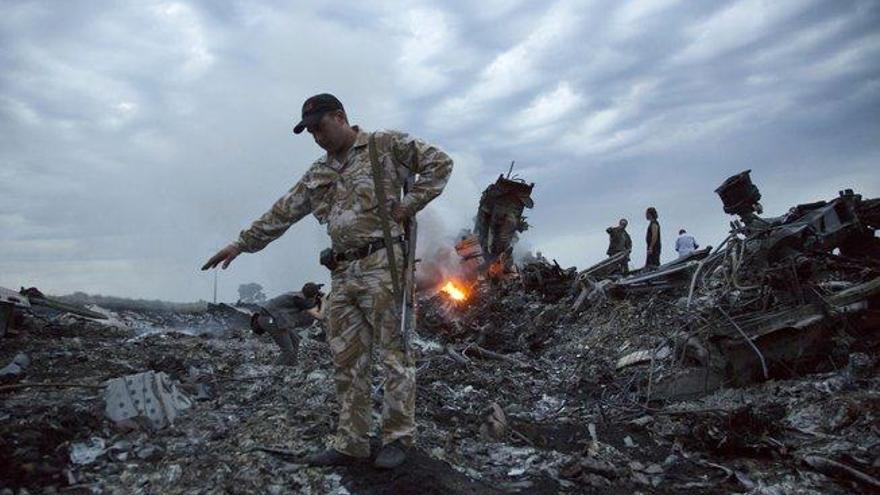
749, 368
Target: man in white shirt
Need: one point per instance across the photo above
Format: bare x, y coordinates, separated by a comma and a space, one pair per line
685, 244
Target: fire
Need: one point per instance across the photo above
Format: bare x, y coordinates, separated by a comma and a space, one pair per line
453, 291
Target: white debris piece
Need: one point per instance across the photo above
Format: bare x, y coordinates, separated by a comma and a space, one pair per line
149, 394
86, 453
643, 356
19, 363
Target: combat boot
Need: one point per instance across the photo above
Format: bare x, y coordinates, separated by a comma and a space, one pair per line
391, 456
331, 457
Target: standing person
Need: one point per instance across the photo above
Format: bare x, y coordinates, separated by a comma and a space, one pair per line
340, 191
619, 241
652, 238
685, 244
282, 315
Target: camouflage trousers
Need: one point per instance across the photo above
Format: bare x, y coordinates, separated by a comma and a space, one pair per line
362, 313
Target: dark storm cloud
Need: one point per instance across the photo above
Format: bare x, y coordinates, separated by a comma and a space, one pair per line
137, 138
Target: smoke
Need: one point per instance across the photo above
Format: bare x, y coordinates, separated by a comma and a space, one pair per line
442, 222
450, 219
523, 250
436, 253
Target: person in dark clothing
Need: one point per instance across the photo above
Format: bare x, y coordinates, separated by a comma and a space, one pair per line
652, 239
280, 317
619, 241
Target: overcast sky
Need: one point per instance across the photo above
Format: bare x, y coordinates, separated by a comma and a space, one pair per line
137, 138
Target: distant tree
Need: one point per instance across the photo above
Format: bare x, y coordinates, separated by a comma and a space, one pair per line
251, 293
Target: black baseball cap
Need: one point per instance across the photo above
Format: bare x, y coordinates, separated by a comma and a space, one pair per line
311, 289
314, 108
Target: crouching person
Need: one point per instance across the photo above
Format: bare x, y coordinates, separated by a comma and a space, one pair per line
282, 315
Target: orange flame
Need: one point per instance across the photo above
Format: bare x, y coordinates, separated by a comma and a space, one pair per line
453, 291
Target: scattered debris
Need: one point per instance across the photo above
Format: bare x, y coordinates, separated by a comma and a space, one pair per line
495, 424
9, 302
37, 298
840, 470
19, 363
550, 280
87, 452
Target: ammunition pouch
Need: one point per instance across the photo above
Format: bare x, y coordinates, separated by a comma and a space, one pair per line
331, 258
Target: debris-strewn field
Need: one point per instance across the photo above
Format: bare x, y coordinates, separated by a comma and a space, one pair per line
519, 395
750, 367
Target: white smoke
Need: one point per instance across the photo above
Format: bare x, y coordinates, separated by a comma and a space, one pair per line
441, 223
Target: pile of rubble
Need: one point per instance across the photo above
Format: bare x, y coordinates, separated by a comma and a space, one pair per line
791, 301
746, 368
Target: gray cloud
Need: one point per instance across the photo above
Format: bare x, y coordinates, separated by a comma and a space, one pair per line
135, 139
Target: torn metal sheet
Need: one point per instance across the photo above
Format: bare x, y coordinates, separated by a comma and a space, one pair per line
9, 301
614, 264
791, 338
668, 276
37, 298
150, 395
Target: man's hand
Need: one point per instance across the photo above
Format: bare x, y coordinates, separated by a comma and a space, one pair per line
399, 213
225, 255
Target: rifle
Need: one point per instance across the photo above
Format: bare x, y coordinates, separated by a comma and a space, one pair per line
408, 298
403, 286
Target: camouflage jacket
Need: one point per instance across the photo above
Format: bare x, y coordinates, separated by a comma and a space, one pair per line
619, 240
341, 195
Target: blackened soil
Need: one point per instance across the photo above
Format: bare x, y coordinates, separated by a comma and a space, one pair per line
418, 475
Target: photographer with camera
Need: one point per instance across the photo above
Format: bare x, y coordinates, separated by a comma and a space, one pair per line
282, 315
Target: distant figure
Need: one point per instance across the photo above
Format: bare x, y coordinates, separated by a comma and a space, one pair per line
539, 256
619, 241
652, 238
685, 244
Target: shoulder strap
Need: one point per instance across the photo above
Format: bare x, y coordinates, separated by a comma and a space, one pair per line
379, 185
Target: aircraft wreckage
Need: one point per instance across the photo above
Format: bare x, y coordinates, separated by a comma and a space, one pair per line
748, 367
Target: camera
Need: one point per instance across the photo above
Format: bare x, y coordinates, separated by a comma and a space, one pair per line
328, 259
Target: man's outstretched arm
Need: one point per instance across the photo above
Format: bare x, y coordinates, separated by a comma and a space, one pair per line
288, 210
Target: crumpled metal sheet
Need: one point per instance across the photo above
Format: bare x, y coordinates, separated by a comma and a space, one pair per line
150, 395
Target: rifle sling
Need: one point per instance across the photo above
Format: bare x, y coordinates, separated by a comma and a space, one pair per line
379, 184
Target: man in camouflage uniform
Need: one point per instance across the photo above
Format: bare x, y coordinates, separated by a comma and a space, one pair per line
619, 241
338, 189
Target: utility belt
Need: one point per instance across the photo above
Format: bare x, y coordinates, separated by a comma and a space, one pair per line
331, 258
